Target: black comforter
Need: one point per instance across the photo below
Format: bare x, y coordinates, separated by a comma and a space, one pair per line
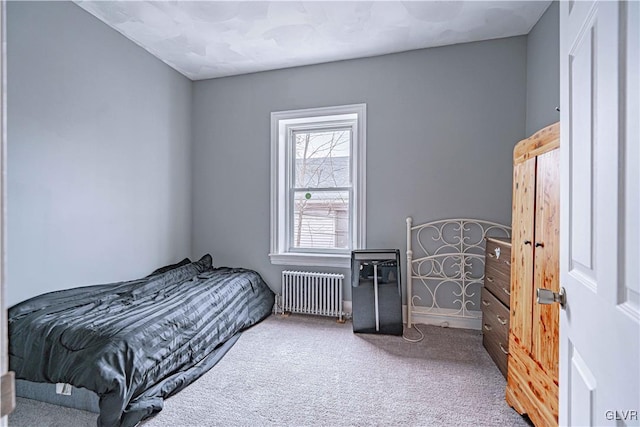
135, 343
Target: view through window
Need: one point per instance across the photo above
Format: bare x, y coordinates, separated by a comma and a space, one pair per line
318, 185
322, 189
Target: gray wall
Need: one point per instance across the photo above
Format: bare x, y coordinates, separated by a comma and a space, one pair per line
442, 124
98, 153
543, 71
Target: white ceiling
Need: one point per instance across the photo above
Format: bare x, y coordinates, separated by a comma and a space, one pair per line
207, 39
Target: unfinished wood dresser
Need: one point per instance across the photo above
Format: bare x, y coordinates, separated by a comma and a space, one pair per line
532, 376
495, 300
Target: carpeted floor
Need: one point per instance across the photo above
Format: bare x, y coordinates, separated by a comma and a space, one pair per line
309, 371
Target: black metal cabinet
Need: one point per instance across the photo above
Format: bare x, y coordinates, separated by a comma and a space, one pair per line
376, 291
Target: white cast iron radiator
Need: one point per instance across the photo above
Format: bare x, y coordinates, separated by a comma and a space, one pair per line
312, 293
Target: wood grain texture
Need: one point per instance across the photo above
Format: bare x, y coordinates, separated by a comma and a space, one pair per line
497, 314
499, 284
546, 318
497, 270
513, 400
495, 300
528, 390
542, 141
532, 373
495, 329
502, 241
502, 262
521, 253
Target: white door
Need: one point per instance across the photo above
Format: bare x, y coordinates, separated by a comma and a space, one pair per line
600, 187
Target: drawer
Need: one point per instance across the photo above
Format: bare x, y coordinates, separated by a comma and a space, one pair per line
495, 329
499, 265
504, 253
498, 284
498, 269
498, 353
497, 272
498, 256
495, 317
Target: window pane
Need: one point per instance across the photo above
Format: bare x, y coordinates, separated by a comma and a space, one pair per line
322, 158
321, 220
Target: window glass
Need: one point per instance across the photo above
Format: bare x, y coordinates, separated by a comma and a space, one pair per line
318, 185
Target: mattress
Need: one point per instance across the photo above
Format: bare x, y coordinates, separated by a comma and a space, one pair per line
135, 343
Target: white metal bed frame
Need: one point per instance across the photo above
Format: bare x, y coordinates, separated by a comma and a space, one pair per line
447, 256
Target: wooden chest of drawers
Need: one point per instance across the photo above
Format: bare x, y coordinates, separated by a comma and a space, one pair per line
495, 300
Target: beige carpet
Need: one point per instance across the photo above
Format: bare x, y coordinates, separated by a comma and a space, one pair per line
308, 371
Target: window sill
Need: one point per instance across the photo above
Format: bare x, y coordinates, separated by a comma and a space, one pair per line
312, 260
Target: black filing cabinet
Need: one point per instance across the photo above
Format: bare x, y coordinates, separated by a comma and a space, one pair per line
376, 292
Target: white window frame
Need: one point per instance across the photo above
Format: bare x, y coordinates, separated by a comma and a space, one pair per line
283, 124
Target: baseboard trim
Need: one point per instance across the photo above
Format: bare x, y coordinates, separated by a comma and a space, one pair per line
438, 317
347, 307
443, 317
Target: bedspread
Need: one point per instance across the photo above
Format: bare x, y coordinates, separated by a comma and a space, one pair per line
135, 343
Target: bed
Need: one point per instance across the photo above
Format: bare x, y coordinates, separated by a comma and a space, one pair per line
445, 262
135, 343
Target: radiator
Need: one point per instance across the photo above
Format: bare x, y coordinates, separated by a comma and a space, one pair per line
312, 293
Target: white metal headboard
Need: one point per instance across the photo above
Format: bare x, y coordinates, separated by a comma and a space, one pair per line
447, 264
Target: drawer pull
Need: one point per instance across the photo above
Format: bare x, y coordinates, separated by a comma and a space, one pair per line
501, 320
502, 348
491, 255
490, 279
486, 303
507, 262
487, 327
506, 291
527, 242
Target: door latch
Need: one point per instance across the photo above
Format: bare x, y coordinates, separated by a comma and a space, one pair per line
546, 296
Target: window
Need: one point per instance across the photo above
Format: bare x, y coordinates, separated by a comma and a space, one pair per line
317, 185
